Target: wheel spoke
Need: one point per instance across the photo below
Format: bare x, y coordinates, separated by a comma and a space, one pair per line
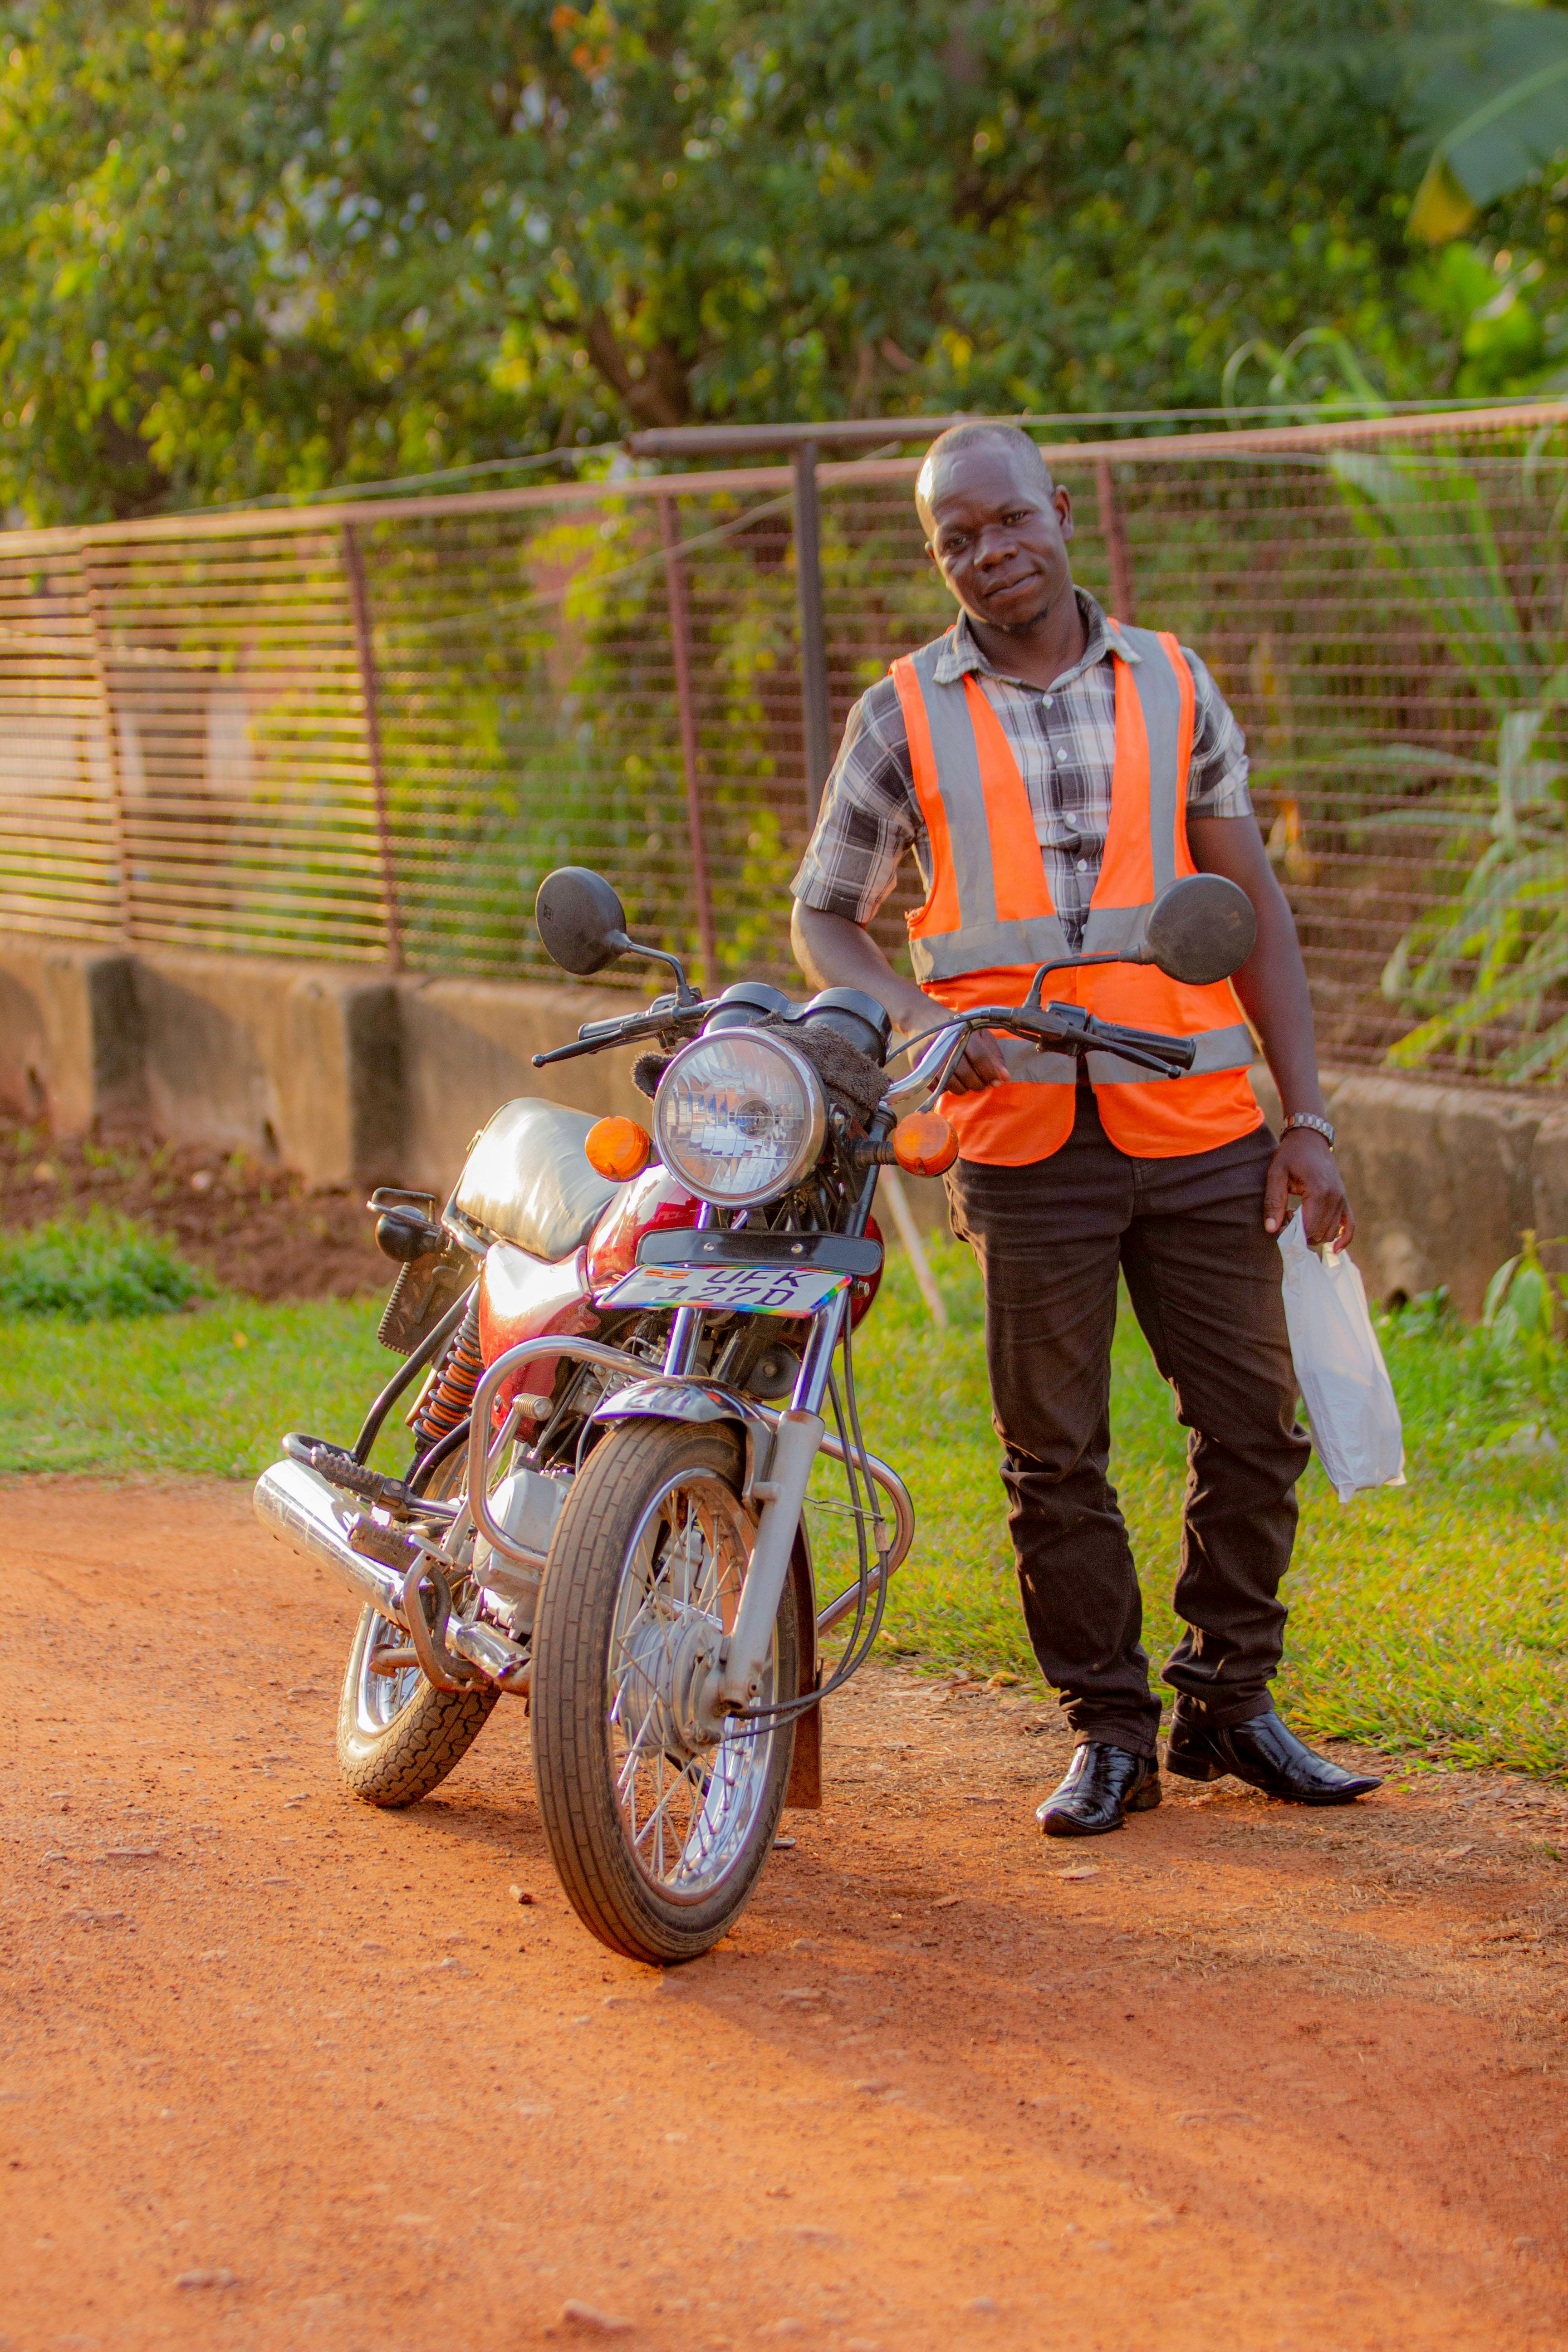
658, 1815
687, 1813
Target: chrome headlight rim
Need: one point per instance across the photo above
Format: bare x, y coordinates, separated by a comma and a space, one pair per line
808, 1153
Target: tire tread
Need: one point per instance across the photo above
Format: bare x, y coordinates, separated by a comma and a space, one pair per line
570, 1748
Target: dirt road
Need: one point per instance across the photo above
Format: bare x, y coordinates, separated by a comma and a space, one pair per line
276, 2071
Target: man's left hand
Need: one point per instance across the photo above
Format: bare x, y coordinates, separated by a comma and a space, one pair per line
1303, 1167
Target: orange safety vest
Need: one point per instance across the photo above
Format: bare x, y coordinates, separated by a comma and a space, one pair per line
988, 922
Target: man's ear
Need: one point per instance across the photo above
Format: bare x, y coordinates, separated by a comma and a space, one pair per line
1063, 504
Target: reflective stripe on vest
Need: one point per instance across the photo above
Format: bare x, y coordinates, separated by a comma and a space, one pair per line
989, 922
977, 938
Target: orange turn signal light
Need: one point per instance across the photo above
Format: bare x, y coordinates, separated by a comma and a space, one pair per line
618, 1149
924, 1144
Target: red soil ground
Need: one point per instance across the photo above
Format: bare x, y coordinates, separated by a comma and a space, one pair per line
278, 2071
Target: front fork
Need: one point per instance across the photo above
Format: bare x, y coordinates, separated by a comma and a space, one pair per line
734, 1682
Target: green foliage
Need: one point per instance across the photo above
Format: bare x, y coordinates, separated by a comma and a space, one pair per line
1522, 1316
206, 1393
1489, 963
244, 251
1496, 93
92, 1267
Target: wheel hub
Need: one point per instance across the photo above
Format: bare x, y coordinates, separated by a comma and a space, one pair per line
669, 1658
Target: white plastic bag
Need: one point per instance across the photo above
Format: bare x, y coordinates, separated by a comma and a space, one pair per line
1348, 1395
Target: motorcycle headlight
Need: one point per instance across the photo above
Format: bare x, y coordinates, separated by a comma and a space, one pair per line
739, 1117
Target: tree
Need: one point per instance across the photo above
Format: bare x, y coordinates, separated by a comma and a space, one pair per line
248, 248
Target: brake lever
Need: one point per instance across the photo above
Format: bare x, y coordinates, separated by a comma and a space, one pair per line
1072, 1029
598, 1037
571, 1053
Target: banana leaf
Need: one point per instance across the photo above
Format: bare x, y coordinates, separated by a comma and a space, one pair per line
1497, 103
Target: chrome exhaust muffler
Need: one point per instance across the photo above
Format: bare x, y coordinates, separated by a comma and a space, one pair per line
298, 1507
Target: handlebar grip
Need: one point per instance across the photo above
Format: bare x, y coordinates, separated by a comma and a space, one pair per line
1180, 1052
571, 1053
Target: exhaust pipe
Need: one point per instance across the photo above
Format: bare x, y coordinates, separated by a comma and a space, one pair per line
300, 1509
298, 1506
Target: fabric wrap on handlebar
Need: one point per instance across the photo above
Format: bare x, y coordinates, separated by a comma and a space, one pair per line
850, 1078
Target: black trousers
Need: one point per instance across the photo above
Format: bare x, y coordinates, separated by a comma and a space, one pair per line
1205, 1281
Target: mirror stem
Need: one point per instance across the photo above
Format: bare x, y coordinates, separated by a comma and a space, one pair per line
1075, 963
685, 992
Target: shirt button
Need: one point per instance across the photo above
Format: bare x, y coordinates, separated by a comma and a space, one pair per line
1083, 866
1048, 700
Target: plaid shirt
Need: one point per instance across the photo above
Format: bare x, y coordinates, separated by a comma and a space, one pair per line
1064, 740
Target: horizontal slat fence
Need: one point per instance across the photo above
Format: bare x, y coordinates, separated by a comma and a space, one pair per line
365, 731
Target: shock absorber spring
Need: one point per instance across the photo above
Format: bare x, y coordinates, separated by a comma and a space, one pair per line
446, 1401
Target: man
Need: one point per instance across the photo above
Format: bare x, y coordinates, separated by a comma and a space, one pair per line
1049, 768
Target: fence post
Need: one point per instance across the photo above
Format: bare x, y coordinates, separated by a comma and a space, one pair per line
370, 696
681, 640
812, 639
97, 642
1122, 596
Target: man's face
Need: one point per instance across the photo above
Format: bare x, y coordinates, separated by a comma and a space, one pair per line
998, 534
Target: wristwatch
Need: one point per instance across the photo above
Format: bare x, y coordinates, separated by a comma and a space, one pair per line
1322, 1127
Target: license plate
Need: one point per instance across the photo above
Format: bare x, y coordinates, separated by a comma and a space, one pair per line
738, 1290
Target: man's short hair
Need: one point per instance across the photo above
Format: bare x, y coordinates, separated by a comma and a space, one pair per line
980, 429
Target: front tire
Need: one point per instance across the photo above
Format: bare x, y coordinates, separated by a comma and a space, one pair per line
658, 1839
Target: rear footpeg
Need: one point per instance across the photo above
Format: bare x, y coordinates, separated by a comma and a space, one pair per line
337, 1465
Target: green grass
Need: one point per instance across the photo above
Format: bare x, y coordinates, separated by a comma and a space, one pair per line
1431, 1620
1431, 1617
91, 1267
210, 1391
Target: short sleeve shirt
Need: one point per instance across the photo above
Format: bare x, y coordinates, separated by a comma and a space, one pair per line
1063, 737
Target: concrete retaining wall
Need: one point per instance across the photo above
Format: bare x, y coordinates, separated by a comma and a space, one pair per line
353, 1077
344, 1074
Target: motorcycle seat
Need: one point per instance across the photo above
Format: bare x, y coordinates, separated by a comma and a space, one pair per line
527, 1179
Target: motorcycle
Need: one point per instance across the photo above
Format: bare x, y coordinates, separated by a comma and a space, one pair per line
630, 1346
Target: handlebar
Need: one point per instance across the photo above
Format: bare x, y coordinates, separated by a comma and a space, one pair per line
1054, 1028
598, 1037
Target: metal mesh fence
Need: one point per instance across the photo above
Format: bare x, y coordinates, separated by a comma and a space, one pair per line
366, 732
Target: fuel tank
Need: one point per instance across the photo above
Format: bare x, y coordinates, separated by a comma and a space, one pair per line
525, 1297
527, 1179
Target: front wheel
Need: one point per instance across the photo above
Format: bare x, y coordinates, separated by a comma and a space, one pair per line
657, 1834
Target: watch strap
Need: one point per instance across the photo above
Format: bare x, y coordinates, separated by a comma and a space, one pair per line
1309, 1119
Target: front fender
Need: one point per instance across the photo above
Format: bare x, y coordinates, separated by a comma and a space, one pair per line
662, 1400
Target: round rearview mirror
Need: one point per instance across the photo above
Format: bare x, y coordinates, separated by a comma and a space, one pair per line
1201, 929
580, 919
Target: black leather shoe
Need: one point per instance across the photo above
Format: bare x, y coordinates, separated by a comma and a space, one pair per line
1265, 1755
1103, 1785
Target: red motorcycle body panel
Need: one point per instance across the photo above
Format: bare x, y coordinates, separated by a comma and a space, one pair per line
862, 1294
525, 1297
653, 1202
